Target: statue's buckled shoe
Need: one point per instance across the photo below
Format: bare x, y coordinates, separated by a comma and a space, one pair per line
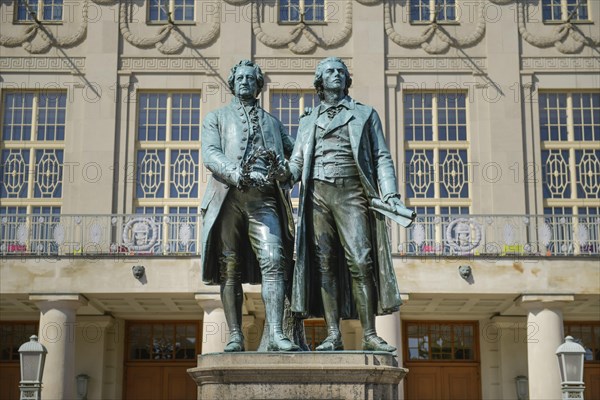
235, 344
331, 343
281, 343
375, 343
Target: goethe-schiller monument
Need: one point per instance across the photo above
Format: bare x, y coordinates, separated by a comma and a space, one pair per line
491, 115
343, 265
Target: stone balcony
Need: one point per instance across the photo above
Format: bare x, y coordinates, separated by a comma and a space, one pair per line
508, 256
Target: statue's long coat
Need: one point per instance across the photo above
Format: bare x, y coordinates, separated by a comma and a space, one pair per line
378, 178
223, 148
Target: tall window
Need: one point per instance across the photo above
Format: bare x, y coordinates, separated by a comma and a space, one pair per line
563, 10
432, 10
43, 10
302, 10
288, 106
32, 151
437, 147
168, 154
436, 165
433, 341
570, 144
162, 341
12, 336
178, 10
588, 334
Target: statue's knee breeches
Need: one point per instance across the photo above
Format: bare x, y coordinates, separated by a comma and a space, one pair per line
361, 273
231, 273
270, 260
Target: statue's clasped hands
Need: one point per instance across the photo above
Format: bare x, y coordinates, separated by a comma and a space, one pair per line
280, 169
277, 167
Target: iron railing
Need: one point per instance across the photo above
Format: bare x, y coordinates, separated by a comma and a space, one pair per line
176, 234
100, 234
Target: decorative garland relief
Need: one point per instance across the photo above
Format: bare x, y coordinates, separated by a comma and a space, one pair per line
300, 39
564, 37
26, 38
425, 39
159, 40
294, 38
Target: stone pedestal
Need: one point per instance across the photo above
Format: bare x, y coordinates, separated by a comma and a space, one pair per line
302, 375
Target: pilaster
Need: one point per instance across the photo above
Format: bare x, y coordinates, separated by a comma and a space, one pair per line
368, 61
92, 352
502, 149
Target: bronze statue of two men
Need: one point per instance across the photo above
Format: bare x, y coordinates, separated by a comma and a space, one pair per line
348, 183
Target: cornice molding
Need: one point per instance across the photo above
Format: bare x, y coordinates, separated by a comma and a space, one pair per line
292, 64
42, 64
560, 63
428, 64
169, 64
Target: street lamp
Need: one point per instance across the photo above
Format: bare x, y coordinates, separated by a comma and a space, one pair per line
570, 363
82, 386
522, 384
33, 356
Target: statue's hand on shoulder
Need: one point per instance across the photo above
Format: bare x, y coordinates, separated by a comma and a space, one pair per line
307, 111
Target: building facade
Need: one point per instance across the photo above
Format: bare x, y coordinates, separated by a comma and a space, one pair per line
491, 110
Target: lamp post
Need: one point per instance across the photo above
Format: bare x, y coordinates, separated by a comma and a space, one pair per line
82, 386
33, 356
570, 363
522, 384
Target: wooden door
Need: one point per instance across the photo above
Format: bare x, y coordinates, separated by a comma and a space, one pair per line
423, 383
446, 382
591, 378
178, 384
159, 382
443, 360
460, 382
12, 335
157, 358
143, 383
10, 376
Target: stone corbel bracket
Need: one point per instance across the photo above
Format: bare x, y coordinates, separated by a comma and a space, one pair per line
159, 40
47, 40
293, 39
564, 37
424, 40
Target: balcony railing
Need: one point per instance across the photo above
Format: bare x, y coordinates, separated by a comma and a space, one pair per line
176, 234
502, 235
125, 235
